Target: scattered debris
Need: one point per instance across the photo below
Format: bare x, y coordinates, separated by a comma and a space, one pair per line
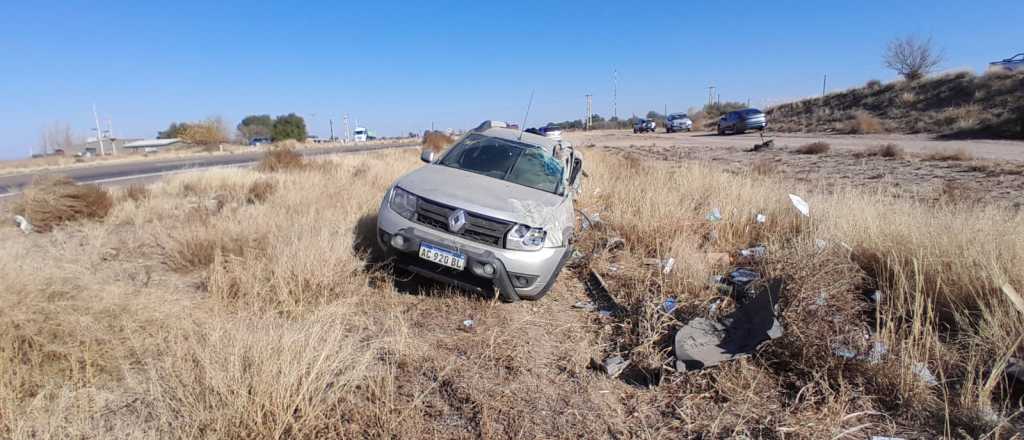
843, 351
877, 353
760, 218
820, 244
665, 265
669, 305
615, 243
880, 437
822, 298
714, 306
575, 258
714, 216
800, 205
744, 276
876, 296
754, 252
763, 145
23, 224
703, 342
589, 220
613, 267
612, 366
605, 313
922, 371
585, 305
468, 326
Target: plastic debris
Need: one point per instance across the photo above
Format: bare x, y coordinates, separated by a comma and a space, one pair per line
669, 305
468, 325
876, 296
822, 298
613, 267
585, 305
704, 342
615, 243
714, 216
800, 205
665, 265
880, 437
576, 257
744, 276
820, 244
922, 372
843, 351
23, 224
605, 313
760, 218
754, 252
714, 306
712, 236
613, 366
877, 353
590, 220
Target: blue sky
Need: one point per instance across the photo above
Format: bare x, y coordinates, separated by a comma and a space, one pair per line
398, 67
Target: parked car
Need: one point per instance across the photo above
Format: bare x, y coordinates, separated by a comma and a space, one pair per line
552, 131
740, 121
1011, 64
643, 126
678, 122
493, 212
259, 141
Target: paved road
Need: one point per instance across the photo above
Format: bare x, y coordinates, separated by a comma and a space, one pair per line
150, 169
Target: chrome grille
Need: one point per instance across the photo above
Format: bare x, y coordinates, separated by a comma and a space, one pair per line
478, 228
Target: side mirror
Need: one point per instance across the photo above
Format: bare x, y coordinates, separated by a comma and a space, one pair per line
574, 174
427, 155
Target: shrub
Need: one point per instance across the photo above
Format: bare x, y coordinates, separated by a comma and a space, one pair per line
950, 155
884, 150
814, 148
290, 126
136, 192
54, 200
205, 133
863, 123
873, 84
280, 159
437, 141
259, 191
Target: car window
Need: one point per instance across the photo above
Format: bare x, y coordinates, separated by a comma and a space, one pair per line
506, 160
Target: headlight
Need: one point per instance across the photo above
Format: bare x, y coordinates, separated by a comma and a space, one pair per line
525, 238
403, 203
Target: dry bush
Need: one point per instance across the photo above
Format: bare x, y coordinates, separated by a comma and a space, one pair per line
280, 159
873, 84
437, 141
209, 132
818, 147
949, 155
889, 150
764, 167
861, 122
288, 144
259, 191
136, 192
51, 201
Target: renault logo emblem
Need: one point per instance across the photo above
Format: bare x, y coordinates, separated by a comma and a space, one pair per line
457, 221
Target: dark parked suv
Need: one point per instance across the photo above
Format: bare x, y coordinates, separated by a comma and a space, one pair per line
740, 121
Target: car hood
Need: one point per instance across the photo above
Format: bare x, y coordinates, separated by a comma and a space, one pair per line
484, 195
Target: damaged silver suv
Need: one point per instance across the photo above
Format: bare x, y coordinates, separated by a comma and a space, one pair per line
495, 211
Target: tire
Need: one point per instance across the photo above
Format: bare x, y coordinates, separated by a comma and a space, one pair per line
634, 131
720, 131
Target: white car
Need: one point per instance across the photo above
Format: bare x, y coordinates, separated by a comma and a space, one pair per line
553, 132
678, 122
1011, 64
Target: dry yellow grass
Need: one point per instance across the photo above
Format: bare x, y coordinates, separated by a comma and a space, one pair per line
204, 311
818, 147
52, 200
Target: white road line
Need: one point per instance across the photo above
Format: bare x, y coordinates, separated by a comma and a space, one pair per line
143, 176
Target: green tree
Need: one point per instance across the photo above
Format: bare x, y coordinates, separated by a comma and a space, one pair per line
256, 126
290, 126
175, 130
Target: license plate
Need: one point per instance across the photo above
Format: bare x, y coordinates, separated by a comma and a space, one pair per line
442, 256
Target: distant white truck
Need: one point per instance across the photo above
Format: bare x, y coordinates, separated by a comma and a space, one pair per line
359, 134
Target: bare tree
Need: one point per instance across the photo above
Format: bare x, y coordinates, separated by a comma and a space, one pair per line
912, 57
56, 135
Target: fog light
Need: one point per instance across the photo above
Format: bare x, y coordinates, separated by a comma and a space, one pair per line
488, 269
398, 241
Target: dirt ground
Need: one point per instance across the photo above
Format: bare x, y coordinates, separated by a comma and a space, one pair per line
991, 170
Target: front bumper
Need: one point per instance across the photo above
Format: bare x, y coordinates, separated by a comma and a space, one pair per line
515, 274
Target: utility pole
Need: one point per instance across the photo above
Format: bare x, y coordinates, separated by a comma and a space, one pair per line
711, 95
99, 132
332, 129
615, 94
110, 134
589, 112
345, 122
823, 82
